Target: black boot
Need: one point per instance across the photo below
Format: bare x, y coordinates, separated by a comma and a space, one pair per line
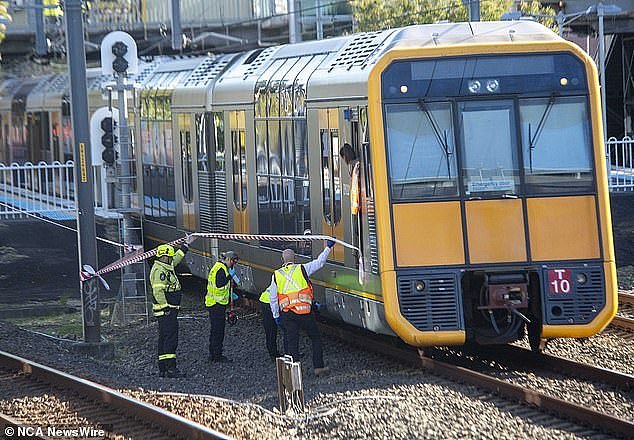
172, 372
162, 368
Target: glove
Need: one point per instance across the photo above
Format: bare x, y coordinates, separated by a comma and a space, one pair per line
184, 248
330, 243
317, 306
234, 296
235, 278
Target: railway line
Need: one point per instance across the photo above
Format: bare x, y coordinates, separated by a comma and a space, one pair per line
624, 319
51, 398
581, 416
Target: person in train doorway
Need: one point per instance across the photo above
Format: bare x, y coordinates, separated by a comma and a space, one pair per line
270, 326
219, 292
166, 300
291, 296
350, 157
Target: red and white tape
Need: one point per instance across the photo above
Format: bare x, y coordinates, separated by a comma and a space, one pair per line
137, 255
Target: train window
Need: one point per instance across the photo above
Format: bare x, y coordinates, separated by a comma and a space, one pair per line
288, 155
219, 141
489, 148
202, 152
261, 156
336, 174
550, 164
325, 175
186, 157
239, 159
421, 150
275, 150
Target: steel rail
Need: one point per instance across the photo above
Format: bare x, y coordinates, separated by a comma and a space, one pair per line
626, 298
545, 402
623, 322
562, 365
150, 414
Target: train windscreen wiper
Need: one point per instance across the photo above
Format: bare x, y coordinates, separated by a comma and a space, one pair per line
441, 138
532, 140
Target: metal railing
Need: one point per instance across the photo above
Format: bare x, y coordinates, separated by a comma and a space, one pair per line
43, 189
620, 164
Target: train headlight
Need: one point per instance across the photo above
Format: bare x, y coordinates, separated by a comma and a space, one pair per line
419, 285
403, 89
563, 81
582, 278
493, 85
474, 86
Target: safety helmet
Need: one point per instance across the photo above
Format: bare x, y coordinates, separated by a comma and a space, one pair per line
165, 249
230, 255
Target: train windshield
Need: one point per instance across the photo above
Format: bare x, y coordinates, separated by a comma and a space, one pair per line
488, 127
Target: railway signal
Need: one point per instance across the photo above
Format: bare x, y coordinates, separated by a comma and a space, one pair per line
119, 54
108, 140
104, 132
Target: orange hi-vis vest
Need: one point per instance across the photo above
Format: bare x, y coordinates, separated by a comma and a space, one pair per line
354, 190
294, 291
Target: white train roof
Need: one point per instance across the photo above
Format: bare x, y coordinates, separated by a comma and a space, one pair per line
194, 92
7, 90
346, 75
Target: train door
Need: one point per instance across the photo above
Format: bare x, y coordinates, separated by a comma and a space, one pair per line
237, 139
185, 151
331, 178
490, 172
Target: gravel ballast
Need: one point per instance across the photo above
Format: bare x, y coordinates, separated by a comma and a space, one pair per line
393, 401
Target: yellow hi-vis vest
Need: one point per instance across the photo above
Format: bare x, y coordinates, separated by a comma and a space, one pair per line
354, 190
217, 295
265, 296
294, 292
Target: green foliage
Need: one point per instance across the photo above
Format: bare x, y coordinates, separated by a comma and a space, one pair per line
4, 14
372, 15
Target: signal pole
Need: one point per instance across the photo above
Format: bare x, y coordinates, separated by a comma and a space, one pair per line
83, 170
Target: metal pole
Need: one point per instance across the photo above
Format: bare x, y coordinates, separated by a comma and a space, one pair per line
560, 23
474, 10
83, 167
320, 25
41, 48
177, 32
294, 29
124, 143
604, 109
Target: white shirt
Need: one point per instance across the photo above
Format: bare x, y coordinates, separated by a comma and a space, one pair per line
310, 269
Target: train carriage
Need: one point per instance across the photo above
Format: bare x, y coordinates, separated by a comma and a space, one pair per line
484, 206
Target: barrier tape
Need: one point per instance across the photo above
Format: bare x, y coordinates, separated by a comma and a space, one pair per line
138, 256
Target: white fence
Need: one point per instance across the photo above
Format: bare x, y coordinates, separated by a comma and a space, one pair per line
42, 189
620, 162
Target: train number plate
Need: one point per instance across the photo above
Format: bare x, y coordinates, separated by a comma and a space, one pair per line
559, 281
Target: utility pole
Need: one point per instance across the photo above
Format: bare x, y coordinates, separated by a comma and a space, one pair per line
177, 32
83, 169
604, 110
294, 34
41, 48
320, 25
474, 9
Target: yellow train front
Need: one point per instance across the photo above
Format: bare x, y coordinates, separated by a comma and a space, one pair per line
490, 186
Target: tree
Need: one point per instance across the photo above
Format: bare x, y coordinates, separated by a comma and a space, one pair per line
4, 18
372, 15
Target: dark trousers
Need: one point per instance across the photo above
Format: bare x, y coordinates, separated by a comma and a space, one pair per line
168, 339
216, 329
270, 329
292, 324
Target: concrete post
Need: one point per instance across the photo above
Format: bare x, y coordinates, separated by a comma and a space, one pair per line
320, 25
177, 32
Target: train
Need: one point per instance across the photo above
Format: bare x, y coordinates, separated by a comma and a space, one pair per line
483, 200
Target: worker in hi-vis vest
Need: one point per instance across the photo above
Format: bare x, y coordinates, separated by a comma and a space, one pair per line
219, 291
166, 300
291, 295
270, 327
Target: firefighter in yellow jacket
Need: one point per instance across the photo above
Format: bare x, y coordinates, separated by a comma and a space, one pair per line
219, 292
166, 300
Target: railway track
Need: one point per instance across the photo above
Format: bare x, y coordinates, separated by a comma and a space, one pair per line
625, 320
45, 397
581, 415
